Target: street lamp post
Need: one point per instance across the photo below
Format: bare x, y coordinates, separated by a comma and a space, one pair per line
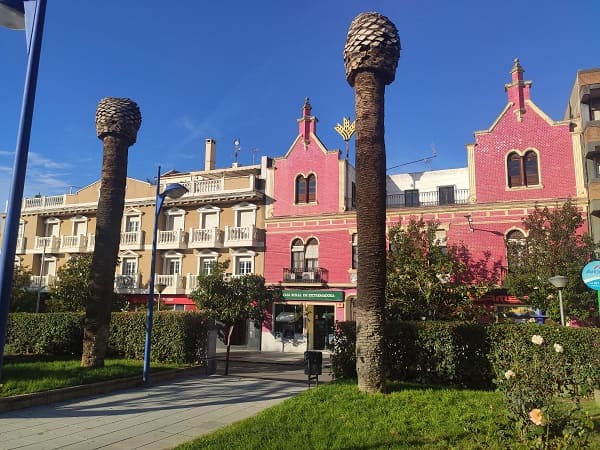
173, 190
160, 287
19, 15
559, 282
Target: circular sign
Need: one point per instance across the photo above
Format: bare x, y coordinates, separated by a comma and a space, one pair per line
591, 275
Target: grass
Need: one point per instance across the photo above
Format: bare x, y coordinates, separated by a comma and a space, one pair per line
28, 374
337, 416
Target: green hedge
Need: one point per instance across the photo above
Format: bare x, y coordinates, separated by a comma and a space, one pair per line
176, 337
51, 333
468, 354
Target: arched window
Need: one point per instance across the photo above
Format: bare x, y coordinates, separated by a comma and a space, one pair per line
306, 189
297, 256
522, 170
311, 181
311, 255
300, 189
515, 249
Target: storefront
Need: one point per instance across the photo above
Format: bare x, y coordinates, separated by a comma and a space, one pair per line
304, 320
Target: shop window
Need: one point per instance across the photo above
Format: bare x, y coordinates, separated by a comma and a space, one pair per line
287, 320
522, 170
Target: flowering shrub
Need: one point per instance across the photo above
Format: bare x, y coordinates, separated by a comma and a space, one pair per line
541, 398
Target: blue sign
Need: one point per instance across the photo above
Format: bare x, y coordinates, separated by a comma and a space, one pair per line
591, 275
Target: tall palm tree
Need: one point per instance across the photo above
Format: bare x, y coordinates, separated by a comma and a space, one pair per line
371, 56
117, 123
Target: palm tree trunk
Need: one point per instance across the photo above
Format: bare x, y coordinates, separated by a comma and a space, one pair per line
371, 202
104, 261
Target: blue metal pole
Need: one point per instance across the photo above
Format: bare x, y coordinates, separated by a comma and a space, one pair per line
9, 242
149, 315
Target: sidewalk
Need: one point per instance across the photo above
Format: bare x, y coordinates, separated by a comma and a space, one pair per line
162, 415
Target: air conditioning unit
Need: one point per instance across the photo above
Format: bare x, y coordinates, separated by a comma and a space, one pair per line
290, 276
308, 276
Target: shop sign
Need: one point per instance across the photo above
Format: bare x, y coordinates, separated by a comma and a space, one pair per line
332, 296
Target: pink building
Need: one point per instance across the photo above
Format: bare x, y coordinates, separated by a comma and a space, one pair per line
524, 158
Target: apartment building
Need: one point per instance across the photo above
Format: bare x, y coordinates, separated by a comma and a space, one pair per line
219, 219
583, 113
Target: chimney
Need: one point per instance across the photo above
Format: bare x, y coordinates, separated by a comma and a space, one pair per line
211, 149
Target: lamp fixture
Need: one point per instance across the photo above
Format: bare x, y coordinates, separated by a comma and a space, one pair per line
470, 222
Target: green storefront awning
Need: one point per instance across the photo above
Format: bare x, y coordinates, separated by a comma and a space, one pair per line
299, 294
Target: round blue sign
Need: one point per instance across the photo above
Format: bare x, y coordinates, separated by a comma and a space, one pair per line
591, 275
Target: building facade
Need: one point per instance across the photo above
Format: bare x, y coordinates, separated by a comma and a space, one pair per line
220, 219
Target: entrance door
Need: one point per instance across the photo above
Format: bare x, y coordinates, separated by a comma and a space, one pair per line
324, 324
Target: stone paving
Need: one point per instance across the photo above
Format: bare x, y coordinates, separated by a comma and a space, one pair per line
162, 415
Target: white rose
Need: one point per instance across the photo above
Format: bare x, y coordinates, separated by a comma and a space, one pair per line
537, 339
558, 348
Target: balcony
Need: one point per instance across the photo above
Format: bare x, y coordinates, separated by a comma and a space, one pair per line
205, 238
41, 282
46, 244
174, 283
299, 276
91, 242
132, 240
249, 236
73, 244
128, 284
191, 282
427, 199
171, 240
238, 184
45, 202
21, 245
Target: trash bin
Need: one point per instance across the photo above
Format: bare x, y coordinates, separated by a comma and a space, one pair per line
313, 363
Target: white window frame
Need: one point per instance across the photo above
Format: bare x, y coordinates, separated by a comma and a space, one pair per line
172, 256
170, 214
76, 220
207, 210
242, 207
205, 255
132, 215
243, 253
128, 256
50, 222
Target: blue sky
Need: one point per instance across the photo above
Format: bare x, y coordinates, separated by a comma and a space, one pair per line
239, 69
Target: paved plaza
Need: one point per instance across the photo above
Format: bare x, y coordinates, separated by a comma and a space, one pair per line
162, 415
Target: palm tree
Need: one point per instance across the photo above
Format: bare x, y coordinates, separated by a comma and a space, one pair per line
117, 123
371, 56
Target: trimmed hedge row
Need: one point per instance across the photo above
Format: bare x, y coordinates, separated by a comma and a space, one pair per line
176, 337
467, 354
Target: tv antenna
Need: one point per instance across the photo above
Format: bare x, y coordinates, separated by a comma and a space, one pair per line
254, 152
426, 160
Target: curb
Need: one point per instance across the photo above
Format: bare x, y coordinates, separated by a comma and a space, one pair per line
101, 387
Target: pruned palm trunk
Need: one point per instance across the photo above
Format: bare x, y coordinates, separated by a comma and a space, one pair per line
117, 123
371, 56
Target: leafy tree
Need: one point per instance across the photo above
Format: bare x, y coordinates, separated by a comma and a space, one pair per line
231, 301
69, 290
425, 279
22, 297
554, 245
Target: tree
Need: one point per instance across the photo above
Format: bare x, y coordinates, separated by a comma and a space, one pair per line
426, 280
371, 56
72, 279
117, 123
553, 245
230, 301
22, 297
